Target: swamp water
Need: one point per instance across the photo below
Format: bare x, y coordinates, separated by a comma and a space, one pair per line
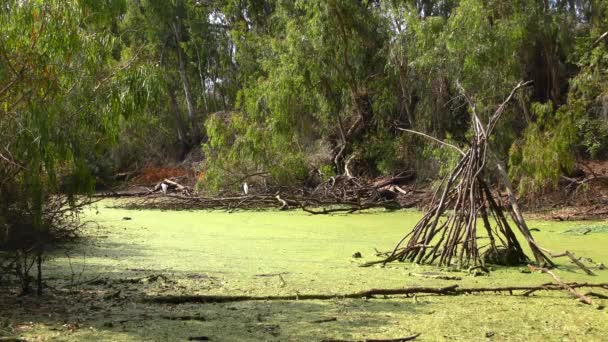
132, 255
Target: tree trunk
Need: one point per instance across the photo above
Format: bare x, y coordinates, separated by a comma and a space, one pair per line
179, 122
195, 137
363, 113
202, 79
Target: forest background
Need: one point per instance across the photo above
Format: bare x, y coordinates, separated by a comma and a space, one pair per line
293, 90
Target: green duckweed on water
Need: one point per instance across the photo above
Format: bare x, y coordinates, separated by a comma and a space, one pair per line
285, 253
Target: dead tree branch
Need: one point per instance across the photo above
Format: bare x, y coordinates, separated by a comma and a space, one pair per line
451, 290
565, 286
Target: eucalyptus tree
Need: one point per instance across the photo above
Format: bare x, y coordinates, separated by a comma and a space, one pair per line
189, 42
62, 95
480, 48
327, 82
572, 122
312, 74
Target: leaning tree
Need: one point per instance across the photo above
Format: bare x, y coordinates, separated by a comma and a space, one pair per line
464, 224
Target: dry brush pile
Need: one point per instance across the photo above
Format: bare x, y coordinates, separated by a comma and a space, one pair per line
337, 194
449, 233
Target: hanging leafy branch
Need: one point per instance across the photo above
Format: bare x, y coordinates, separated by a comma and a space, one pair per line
62, 96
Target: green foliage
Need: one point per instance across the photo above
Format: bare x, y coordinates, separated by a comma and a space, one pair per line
588, 99
236, 149
290, 87
578, 128
62, 94
312, 65
438, 161
546, 150
327, 171
346, 73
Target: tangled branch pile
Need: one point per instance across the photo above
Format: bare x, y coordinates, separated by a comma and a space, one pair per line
463, 197
338, 194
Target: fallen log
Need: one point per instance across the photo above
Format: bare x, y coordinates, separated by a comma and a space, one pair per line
372, 293
321, 204
114, 194
595, 294
400, 339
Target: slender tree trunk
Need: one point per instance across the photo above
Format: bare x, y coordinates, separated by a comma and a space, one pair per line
179, 122
202, 78
406, 97
195, 137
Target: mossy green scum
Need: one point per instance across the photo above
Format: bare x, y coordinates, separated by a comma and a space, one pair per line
270, 253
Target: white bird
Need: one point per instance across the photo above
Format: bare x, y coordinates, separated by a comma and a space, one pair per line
164, 187
245, 188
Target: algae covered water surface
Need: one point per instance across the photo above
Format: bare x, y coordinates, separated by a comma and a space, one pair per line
130, 255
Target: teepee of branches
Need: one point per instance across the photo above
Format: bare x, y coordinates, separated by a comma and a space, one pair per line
463, 204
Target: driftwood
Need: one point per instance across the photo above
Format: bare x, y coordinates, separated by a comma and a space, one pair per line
373, 293
170, 184
352, 208
114, 194
174, 186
